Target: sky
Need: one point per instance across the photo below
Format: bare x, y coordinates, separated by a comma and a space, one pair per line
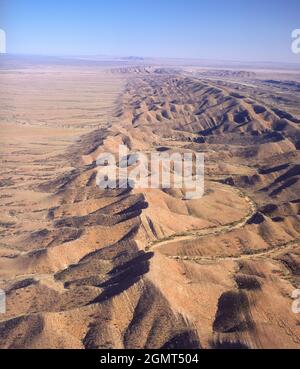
241, 30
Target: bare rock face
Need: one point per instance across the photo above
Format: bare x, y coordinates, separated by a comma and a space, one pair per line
257, 218
232, 315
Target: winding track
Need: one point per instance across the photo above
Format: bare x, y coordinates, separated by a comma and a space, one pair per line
218, 230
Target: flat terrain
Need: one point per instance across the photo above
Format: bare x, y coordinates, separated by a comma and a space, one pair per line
84, 267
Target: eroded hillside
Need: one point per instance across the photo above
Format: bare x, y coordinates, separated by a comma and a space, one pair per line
93, 268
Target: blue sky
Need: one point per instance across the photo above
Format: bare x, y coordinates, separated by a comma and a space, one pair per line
256, 30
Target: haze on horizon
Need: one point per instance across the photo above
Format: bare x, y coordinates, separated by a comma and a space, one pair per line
221, 30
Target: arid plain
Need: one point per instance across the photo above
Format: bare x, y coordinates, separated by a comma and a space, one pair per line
84, 267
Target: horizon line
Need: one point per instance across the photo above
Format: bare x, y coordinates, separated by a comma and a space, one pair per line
144, 58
